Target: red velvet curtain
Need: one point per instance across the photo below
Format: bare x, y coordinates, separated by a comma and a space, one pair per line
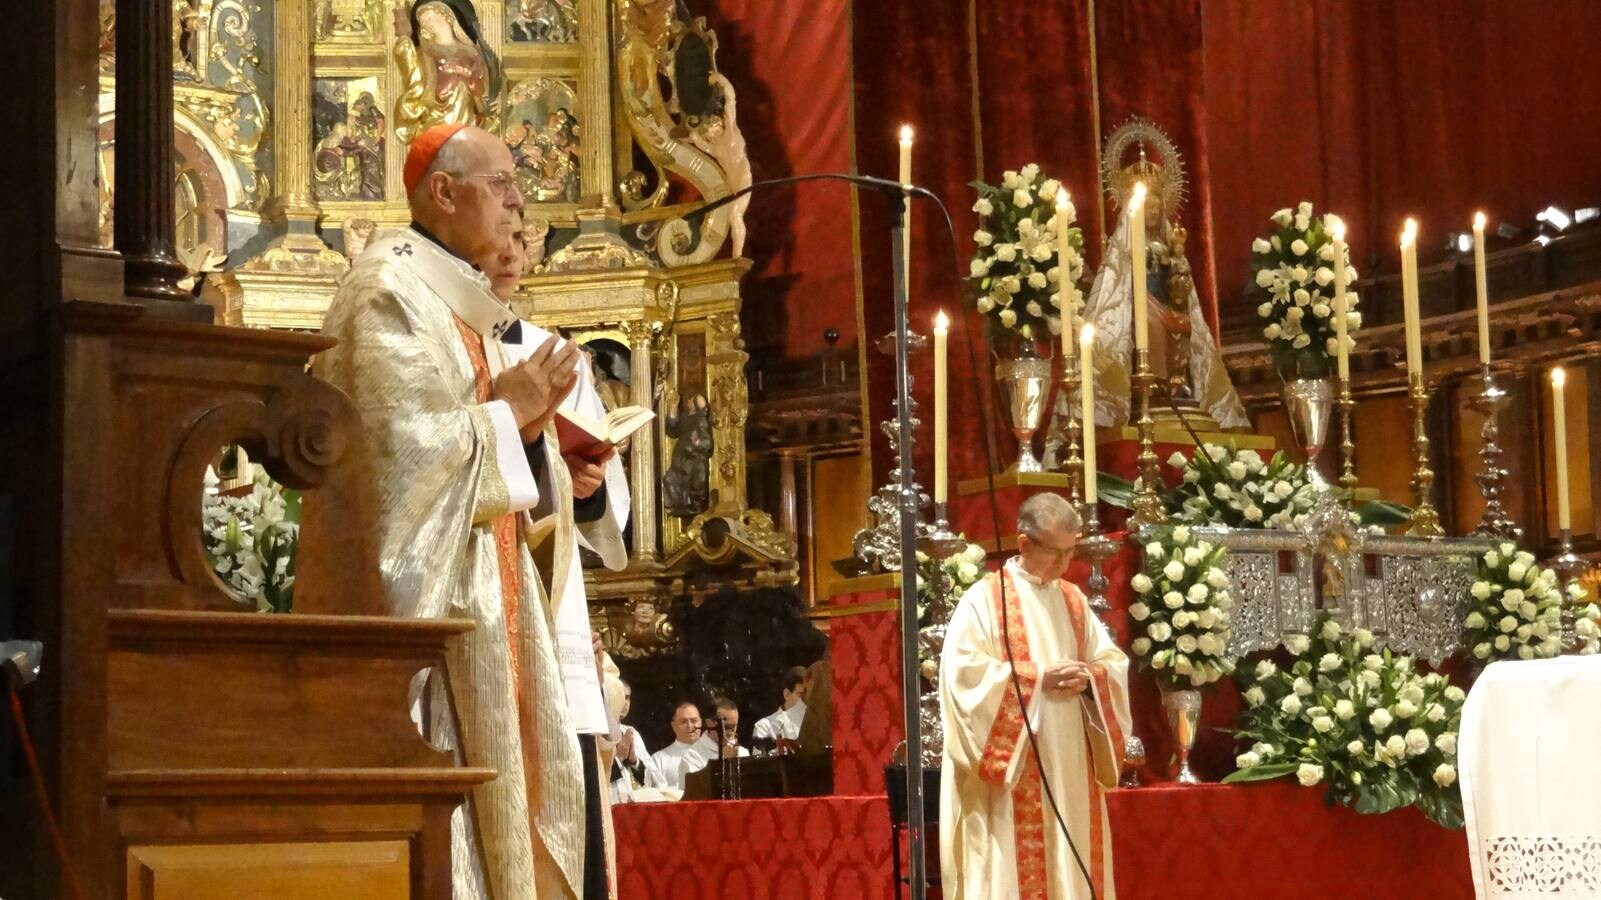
790, 66
1432, 108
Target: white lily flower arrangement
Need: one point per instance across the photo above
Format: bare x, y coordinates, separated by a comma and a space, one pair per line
251, 539
1379, 734
1017, 278
940, 583
1515, 608
1180, 612
1292, 265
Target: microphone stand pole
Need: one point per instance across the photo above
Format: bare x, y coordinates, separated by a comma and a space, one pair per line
917, 856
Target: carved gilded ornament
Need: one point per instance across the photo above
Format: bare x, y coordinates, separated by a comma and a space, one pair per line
449, 75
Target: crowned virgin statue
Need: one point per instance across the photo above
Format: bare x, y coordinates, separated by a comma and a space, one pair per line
1185, 358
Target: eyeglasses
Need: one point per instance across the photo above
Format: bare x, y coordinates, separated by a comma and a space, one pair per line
501, 184
1047, 548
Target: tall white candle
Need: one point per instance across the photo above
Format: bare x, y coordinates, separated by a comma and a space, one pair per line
1064, 268
1087, 410
1136, 240
906, 179
941, 328
1559, 414
1341, 340
1409, 297
1479, 285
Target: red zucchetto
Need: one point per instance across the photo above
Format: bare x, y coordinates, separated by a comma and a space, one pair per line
423, 150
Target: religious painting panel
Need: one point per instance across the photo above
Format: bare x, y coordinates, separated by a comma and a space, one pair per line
542, 21
348, 131
348, 20
542, 131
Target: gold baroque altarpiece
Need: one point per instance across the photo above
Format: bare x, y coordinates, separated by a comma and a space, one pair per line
292, 122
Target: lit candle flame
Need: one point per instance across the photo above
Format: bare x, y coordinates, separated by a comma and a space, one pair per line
1138, 199
941, 323
1087, 333
1478, 221
1063, 201
1339, 229
1559, 376
1409, 234
906, 135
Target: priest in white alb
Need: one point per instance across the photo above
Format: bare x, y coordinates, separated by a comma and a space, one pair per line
452, 425
1024, 642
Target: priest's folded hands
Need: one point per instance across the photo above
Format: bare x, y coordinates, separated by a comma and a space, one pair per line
1065, 679
535, 387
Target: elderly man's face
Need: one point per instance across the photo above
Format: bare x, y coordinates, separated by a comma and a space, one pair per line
504, 267
485, 202
686, 723
1048, 554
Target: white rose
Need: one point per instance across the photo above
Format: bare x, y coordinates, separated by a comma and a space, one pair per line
1446, 743
1265, 310
1182, 665
1266, 669
1006, 252
1302, 687
1291, 705
1174, 570
1155, 550
1329, 662
1022, 199
1272, 332
1008, 318
1474, 621
1182, 619
983, 238
1255, 696
1198, 594
1298, 644
1301, 275
1253, 513
1139, 612
1508, 624
1159, 631
1356, 748
1323, 724
1302, 221
1192, 556
1036, 280
1503, 643
1264, 278
1395, 745
1380, 719
1247, 759
1344, 709
1331, 630
1445, 775
1525, 652
1217, 578
1299, 247
1042, 252
1302, 341
1323, 276
978, 268
1417, 741
1434, 712
1141, 646
1172, 599
1049, 188
1321, 310
1185, 643
1302, 298
1282, 217
1029, 172
1209, 645
1405, 709
1141, 583
1309, 774
1009, 179
1364, 637
1261, 246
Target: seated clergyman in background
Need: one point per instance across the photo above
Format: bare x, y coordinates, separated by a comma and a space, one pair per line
727, 712
785, 724
998, 834
632, 764
682, 756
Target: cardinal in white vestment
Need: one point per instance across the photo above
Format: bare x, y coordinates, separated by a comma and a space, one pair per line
584, 504
451, 427
1023, 641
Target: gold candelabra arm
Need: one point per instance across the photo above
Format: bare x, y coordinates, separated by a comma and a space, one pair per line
1347, 445
1148, 508
1425, 520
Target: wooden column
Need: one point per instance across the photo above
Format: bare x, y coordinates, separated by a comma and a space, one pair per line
642, 450
787, 520
144, 154
291, 106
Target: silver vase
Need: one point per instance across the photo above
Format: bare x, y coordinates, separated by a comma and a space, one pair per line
1309, 403
1184, 720
1028, 390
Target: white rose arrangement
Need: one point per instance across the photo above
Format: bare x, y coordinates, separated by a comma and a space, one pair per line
1514, 608
1293, 268
1015, 274
940, 583
1223, 485
1586, 626
1378, 733
251, 539
1180, 613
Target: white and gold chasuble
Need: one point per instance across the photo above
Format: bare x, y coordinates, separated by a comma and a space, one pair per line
419, 344
998, 838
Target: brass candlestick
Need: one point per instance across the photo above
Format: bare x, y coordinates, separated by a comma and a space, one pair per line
1148, 509
1425, 521
1489, 402
1073, 465
1347, 445
940, 542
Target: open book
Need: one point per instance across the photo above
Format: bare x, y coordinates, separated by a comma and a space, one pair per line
589, 437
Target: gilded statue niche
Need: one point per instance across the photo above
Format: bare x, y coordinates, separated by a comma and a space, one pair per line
542, 131
450, 75
542, 21
348, 131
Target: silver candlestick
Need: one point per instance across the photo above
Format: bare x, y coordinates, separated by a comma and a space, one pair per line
1097, 548
1569, 566
879, 545
1489, 402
